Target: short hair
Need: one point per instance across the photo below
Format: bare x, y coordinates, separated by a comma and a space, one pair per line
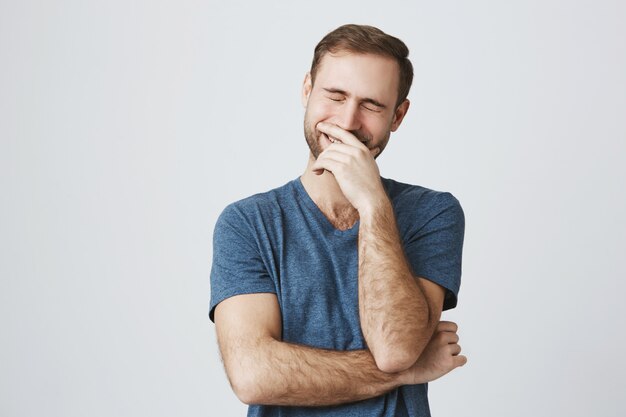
367, 40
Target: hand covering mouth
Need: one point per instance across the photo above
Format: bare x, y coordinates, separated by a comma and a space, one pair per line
332, 139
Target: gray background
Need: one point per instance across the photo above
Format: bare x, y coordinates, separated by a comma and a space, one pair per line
126, 127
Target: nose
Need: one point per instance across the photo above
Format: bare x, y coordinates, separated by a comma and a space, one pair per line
348, 116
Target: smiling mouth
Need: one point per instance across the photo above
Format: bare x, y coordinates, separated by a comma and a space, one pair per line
335, 140
331, 139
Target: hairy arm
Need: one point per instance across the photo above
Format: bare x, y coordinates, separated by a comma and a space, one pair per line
398, 311
262, 369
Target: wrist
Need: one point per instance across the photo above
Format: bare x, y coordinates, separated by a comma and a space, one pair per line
374, 208
406, 377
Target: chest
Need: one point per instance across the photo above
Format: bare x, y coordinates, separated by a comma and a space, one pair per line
317, 286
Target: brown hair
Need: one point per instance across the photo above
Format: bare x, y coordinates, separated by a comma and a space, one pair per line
367, 39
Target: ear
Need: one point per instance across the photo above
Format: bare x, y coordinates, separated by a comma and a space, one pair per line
399, 114
307, 86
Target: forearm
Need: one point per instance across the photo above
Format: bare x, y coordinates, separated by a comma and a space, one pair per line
279, 373
394, 312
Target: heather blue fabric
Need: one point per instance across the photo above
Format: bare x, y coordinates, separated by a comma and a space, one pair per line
280, 242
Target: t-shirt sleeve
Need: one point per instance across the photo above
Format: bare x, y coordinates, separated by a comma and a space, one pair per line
238, 266
435, 250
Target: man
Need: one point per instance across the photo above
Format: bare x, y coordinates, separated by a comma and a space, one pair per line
327, 292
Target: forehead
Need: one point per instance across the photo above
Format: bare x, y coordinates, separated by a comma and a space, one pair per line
364, 75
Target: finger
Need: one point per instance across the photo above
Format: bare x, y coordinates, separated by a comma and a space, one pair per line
339, 133
455, 349
330, 155
450, 337
459, 360
327, 164
351, 150
342, 147
338, 152
446, 338
447, 326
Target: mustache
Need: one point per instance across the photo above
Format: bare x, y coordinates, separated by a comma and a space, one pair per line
361, 136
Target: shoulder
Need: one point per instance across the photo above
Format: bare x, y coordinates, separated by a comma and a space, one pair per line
417, 199
257, 206
256, 212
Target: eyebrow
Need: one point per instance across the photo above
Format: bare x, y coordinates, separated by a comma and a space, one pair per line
345, 93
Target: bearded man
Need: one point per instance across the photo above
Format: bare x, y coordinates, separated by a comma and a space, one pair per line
327, 292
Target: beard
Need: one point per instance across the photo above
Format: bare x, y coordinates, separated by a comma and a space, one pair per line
313, 138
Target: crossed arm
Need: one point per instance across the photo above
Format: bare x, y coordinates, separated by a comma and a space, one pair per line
399, 313
263, 369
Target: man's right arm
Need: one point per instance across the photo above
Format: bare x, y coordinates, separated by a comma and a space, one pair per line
262, 369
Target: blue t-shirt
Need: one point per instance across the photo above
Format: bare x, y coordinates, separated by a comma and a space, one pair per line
280, 242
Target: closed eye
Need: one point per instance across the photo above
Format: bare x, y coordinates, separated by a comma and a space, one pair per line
372, 108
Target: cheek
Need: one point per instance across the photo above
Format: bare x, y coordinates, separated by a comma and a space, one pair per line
375, 126
321, 109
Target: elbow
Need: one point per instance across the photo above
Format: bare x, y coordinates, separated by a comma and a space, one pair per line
245, 395
398, 352
248, 373
246, 382
396, 360
245, 387
398, 356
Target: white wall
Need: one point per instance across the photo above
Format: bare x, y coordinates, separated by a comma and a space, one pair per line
126, 127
